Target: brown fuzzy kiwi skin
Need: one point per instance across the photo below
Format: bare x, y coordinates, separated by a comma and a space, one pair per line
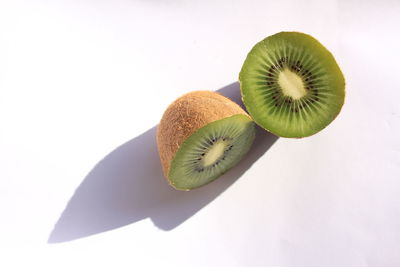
185, 116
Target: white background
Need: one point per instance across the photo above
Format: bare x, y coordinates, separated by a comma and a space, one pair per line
83, 83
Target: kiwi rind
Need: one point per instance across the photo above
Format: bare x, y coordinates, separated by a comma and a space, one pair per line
255, 65
185, 116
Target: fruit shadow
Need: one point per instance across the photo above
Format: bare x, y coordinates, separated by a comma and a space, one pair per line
127, 186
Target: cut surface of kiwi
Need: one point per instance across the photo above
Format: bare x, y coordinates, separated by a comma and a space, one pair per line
201, 136
291, 85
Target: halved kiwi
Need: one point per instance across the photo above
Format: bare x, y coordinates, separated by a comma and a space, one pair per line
291, 85
202, 135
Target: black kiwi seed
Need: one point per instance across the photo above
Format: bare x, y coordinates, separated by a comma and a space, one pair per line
281, 62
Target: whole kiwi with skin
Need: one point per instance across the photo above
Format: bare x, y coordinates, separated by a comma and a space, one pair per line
202, 135
291, 85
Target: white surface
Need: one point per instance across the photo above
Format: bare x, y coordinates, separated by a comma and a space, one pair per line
78, 79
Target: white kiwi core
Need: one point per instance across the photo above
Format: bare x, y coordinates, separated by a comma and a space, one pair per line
215, 152
291, 84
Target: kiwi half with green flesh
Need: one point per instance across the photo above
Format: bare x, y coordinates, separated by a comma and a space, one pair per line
291, 85
202, 135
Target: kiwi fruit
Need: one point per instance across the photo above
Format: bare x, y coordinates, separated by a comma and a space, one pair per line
202, 135
291, 85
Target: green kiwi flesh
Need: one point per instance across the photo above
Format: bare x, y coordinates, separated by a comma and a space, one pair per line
291, 85
211, 151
